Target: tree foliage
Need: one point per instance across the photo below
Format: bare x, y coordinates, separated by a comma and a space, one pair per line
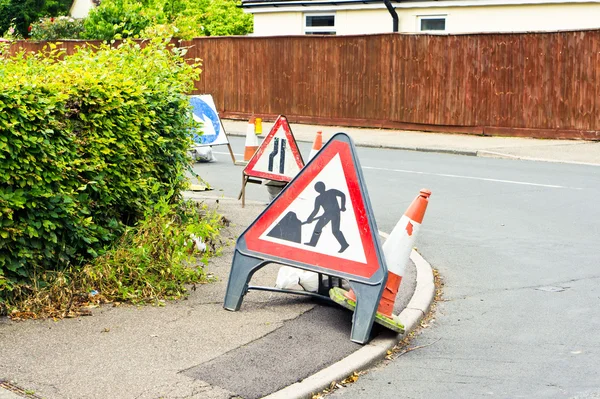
117, 19
22, 13
185, 19
223, 17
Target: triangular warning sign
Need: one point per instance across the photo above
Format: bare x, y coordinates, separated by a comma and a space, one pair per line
323, 220
278, 157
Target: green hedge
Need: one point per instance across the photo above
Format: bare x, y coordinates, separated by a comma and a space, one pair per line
88, 143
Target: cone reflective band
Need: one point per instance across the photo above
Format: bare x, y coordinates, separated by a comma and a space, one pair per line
397, 248
317, 145
251, 141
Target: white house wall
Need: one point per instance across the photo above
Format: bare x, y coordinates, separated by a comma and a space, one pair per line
365, 21
273, 24
81, 8
462, 19
522, 18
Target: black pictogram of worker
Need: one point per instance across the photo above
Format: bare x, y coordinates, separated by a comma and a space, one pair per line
328, 200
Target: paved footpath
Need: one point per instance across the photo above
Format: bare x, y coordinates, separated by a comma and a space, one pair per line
571, 151
191, 348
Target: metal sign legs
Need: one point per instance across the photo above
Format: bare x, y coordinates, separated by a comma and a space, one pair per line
367, 295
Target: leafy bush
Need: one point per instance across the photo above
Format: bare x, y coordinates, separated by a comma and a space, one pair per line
51, 28
150, 262
21, 13
184, 19
118, 19
87, 146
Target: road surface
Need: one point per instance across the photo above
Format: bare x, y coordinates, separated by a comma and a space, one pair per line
517, 244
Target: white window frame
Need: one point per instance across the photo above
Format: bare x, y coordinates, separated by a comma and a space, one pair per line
437, 16
319, 29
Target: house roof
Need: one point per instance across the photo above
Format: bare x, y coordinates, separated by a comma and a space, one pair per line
402, 3
276, 3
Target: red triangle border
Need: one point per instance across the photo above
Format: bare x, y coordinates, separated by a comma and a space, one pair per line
281, 203
280, 122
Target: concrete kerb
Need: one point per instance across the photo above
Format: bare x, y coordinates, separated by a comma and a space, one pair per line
378, 347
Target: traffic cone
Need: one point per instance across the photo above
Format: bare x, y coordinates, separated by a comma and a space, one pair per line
316, 145
396, 250
251, 141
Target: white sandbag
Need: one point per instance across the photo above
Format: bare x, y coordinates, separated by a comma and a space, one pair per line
203, 154
290, 277
309, 281
274, 188
287, 278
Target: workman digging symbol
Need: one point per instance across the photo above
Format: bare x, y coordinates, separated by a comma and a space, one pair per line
289, 227
328, 200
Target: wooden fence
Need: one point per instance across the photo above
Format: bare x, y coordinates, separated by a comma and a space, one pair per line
531, 84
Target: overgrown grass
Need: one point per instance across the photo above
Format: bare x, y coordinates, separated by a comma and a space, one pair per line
152, 261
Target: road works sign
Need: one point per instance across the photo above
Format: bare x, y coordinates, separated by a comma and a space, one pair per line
278, 157
323, 222
205, 112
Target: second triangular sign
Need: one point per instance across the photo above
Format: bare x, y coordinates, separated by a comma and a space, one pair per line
278, 157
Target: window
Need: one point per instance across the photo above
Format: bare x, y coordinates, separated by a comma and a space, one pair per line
319, 24
432, 23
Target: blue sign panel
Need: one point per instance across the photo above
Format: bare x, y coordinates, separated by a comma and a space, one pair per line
205, 113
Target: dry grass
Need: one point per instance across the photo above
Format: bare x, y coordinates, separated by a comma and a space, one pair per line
152, 262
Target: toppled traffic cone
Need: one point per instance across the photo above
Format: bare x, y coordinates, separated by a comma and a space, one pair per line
317, 145
251, 141
396, 250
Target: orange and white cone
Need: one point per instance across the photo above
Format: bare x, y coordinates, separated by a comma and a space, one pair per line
396, 250
317, 145
251, 141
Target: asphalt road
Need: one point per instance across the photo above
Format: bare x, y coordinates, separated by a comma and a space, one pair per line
517, 245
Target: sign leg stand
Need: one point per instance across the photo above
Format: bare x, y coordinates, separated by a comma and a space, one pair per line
231, 152
242, 195
242, 269
244, 191
367, 301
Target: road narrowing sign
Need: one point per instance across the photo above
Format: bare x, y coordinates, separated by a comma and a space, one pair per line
322, 222
278, 157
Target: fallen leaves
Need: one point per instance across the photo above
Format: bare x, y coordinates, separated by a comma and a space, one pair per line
352, 378
403, 347
48, 306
